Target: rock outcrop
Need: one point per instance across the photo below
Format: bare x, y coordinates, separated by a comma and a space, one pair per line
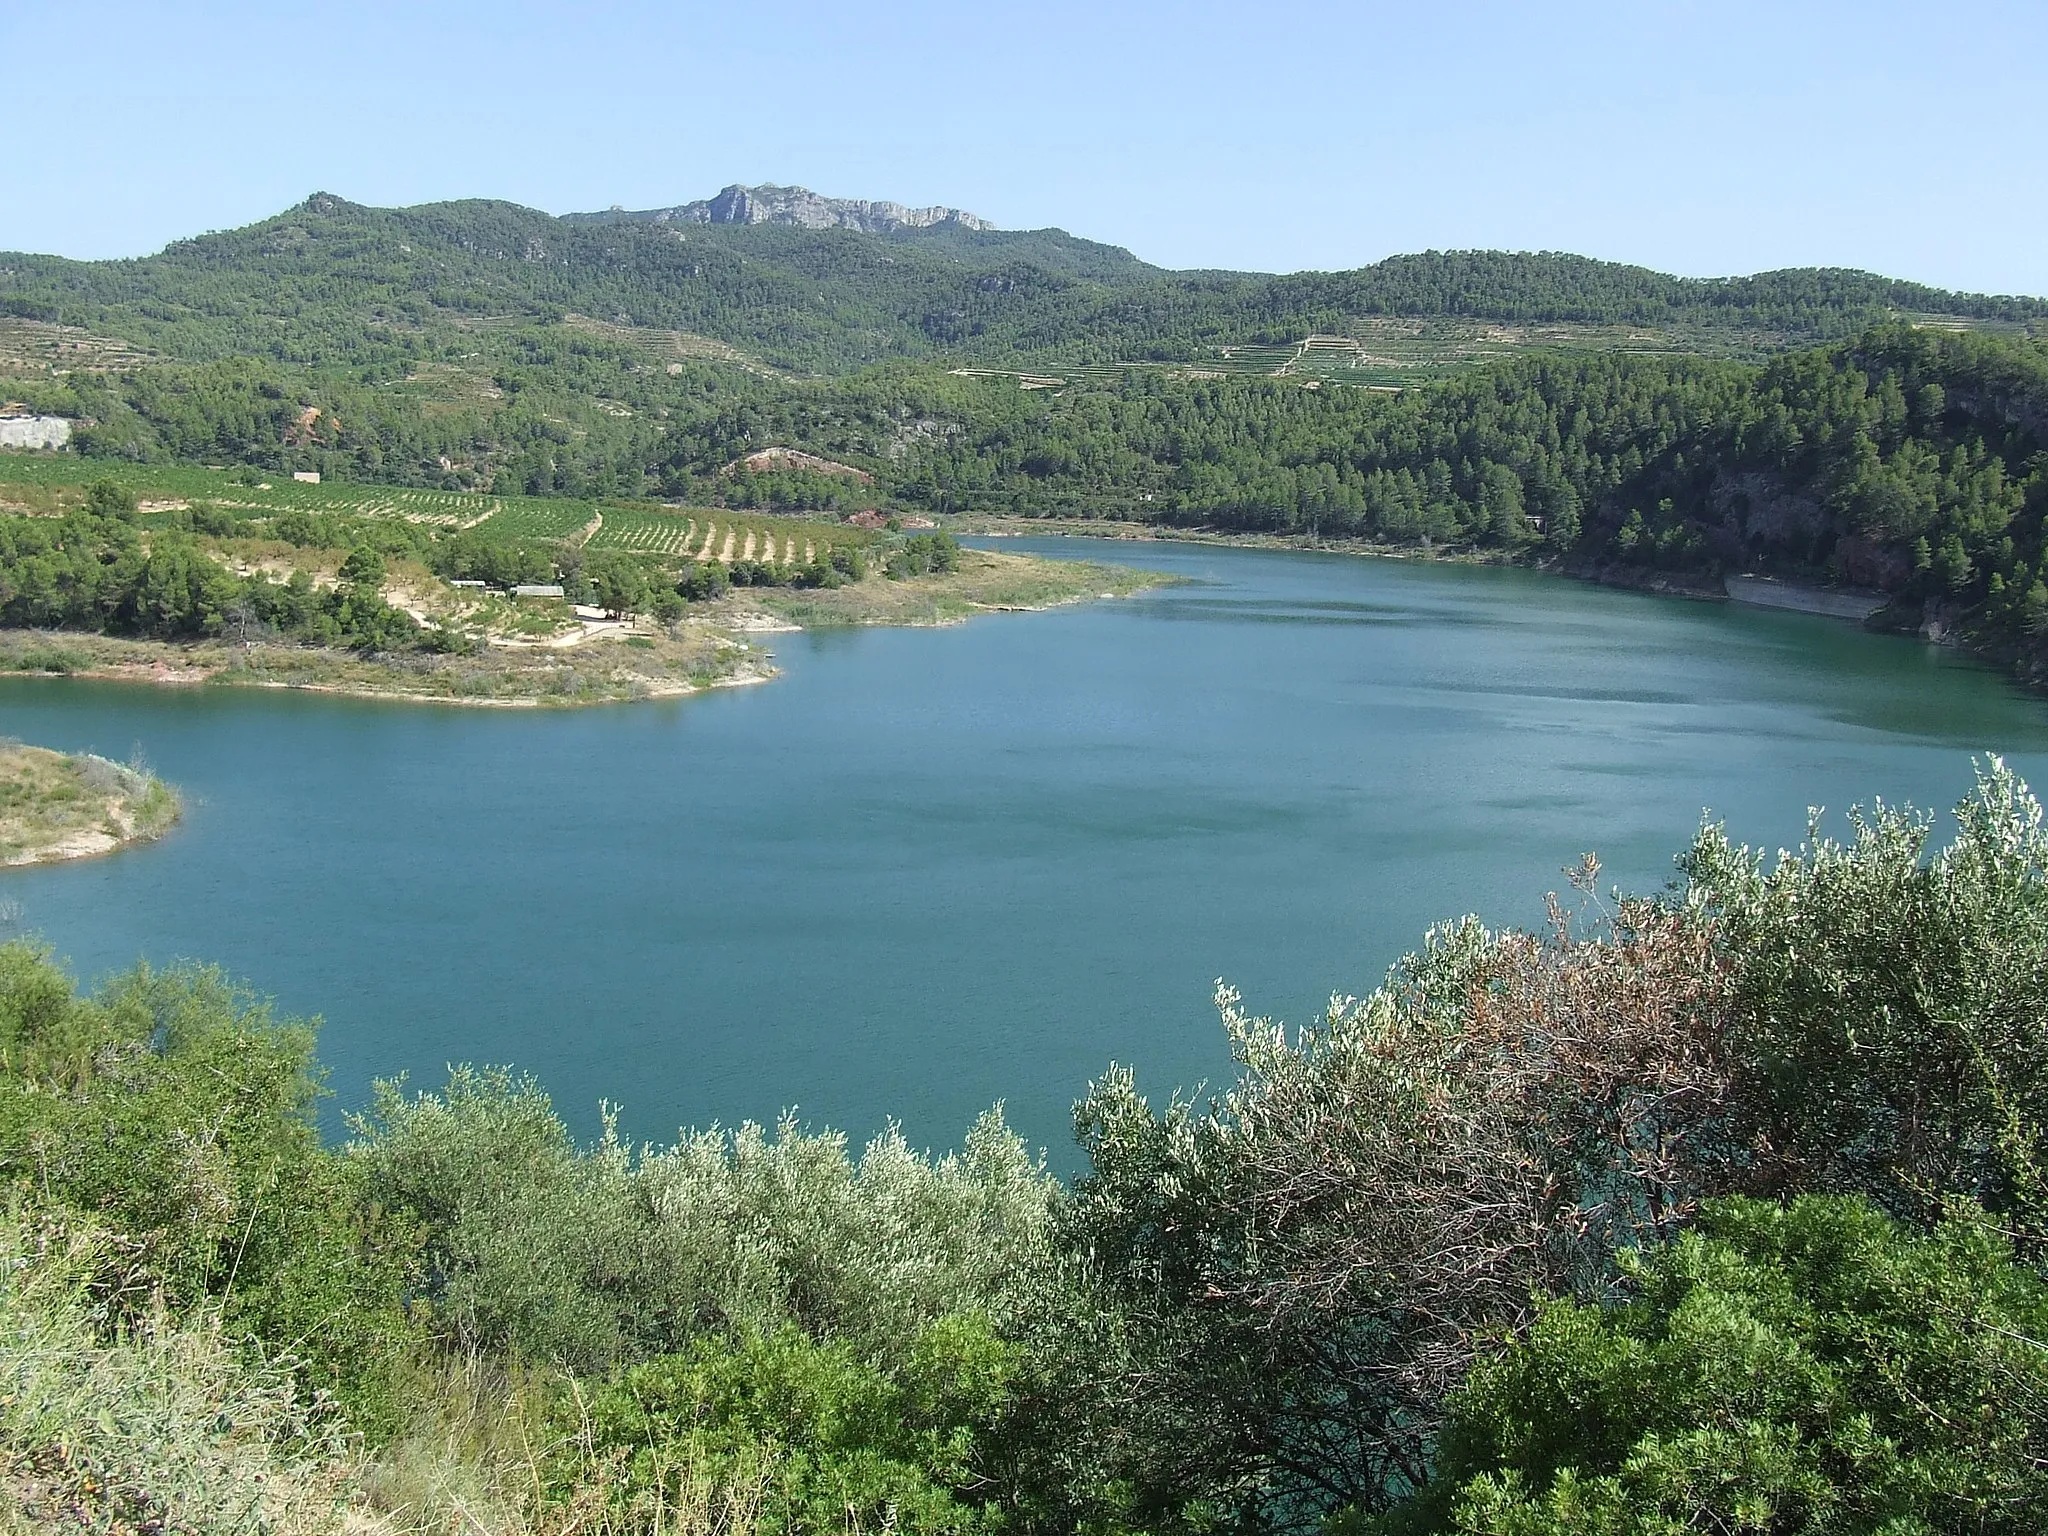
766, 461
34, 431
790, 205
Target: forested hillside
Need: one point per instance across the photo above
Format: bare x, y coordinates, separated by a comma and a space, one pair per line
335, 282
481, 346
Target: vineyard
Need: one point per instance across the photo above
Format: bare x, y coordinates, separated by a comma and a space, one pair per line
695, 534
538, 518
714, 535
260, 496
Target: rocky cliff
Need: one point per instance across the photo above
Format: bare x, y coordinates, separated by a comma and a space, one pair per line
790, 205
34, 431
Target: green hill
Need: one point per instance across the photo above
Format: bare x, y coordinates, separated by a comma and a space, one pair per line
335, 283
1822, 424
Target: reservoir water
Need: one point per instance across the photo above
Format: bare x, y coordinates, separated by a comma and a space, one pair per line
929, 869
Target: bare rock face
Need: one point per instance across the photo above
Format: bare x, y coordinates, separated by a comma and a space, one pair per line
792, 205
34, 431
1762, 516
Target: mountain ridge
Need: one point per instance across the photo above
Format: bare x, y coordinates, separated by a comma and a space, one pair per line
332, 282
799, 206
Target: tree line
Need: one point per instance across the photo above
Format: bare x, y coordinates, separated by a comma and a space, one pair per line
1903, 460
92, 569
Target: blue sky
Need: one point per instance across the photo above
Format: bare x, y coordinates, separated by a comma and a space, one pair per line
1694, 137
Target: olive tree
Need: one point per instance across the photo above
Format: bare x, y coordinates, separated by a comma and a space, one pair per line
1302, 1267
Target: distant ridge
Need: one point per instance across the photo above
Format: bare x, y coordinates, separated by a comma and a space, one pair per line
798, 206
808, 284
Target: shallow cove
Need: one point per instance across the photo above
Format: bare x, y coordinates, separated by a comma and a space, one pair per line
930, 869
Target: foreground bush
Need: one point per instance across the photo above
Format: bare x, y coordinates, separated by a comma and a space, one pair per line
1297, 1273
1887, 1005
1815, 1367
165, 1426
587, 1259
1721, 1211
176, 1112
801, 1437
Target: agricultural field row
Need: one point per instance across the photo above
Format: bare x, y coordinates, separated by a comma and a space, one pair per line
722, 536
694, 534
241, 490
541, 519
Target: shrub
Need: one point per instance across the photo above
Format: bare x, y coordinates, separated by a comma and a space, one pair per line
1804, 1368
1300, 1268
807, 1435
589, 1258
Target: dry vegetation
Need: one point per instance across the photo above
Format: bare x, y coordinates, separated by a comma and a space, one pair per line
58, 806
613, 666
986, 581
173, 1425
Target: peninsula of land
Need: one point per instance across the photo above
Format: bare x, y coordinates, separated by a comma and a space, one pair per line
179, 576
56, 805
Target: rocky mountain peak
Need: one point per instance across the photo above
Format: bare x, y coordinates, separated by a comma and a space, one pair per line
793, 205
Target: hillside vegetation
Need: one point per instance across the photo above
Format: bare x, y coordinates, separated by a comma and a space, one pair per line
1719, 1211
1821, 425
335, 282
183, 574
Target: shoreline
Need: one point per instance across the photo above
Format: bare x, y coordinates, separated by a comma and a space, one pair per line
67, 806
1853, 605
82, 657
709, 650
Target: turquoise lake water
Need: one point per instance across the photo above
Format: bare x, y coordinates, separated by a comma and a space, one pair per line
930, 869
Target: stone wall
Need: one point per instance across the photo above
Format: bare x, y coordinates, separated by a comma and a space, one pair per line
1833, 602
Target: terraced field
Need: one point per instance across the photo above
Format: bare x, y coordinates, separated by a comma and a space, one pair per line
41, 346
660, 348
1394, 352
